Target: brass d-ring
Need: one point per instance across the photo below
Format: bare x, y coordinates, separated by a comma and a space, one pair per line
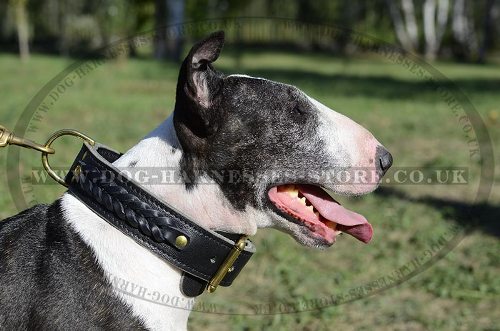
56, 135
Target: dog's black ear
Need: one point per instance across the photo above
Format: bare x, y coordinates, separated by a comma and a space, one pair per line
199, 84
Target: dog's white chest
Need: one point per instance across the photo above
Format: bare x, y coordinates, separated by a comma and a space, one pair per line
143, 281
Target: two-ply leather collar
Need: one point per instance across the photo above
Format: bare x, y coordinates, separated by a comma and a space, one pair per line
198, 252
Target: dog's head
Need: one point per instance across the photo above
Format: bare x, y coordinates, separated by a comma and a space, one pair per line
272, 150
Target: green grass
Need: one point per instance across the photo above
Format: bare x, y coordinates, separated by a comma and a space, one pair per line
459, 292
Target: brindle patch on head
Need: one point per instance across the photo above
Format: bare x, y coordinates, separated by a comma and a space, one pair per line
268, 129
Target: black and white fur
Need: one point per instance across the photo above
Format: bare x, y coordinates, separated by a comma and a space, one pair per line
58, 262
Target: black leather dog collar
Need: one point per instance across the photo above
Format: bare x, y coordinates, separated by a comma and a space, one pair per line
204, 256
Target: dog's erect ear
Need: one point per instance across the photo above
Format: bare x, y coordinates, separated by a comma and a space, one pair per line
199, 83
197, 78
207, 50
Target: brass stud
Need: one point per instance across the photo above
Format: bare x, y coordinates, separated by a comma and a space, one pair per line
181, 241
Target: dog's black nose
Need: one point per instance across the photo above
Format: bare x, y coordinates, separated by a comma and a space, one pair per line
384, 159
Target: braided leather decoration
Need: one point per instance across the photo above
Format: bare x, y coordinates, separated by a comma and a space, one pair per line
138, 214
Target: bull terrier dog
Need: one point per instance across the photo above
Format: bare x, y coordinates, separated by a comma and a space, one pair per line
59, 262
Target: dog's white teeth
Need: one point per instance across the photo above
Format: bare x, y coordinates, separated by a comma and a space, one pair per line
290, 190
303, 200
316, 213
310, 207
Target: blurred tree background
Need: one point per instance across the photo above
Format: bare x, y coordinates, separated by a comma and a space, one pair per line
405, 112
446, 29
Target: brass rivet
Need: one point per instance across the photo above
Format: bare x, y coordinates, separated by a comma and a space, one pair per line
181, 241
76, 173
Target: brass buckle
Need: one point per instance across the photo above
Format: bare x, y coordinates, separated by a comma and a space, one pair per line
227, 265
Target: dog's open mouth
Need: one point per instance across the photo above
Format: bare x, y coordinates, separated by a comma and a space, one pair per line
321, 214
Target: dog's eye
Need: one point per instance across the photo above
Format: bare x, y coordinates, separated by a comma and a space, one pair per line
299, 114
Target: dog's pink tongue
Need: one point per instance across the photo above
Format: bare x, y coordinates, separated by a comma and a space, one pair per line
347, 221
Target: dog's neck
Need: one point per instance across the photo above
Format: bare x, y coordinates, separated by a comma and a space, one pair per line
204, 204
141, 279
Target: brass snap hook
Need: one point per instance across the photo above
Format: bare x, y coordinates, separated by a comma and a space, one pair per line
8, 137
54, 137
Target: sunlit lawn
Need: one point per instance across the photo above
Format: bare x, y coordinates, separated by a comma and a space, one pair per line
118, 103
